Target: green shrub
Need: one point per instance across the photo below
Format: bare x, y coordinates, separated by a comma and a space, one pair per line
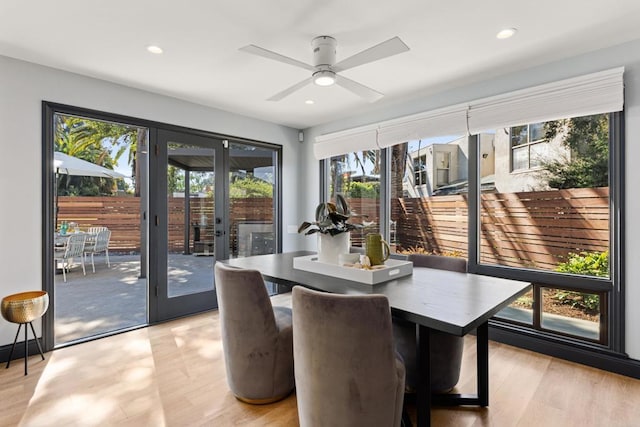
586, 264
363, 190
250, 187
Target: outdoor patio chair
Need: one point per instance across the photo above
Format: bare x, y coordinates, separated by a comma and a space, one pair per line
97, 245
73, 249
96, 230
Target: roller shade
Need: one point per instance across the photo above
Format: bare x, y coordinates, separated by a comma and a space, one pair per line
596, 93
349, 141
440, 122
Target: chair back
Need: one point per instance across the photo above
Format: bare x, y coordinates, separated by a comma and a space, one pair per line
75, 246
346, 369
248, 326
96, 230
440, 262
101, 242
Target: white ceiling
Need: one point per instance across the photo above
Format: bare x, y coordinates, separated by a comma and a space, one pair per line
452, 43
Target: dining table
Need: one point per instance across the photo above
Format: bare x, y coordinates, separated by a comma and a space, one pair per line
447, 301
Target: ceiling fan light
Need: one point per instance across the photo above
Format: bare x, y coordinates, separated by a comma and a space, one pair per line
324, 78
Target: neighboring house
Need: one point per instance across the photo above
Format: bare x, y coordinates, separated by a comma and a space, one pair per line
520, 152
443, 168
511, 161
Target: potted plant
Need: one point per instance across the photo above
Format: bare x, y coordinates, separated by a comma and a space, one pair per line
333, 228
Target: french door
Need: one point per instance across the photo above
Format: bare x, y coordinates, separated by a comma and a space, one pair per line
188, 226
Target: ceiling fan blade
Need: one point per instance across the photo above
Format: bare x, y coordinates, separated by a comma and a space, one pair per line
278, 96
391, 47
256, 50
360, 90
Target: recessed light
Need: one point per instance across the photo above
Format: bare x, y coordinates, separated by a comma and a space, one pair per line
309, 102
154, 49
506, 33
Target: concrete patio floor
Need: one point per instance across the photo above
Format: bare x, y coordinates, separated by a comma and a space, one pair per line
115, 298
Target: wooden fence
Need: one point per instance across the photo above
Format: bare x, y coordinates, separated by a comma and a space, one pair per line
122, 216
529, 229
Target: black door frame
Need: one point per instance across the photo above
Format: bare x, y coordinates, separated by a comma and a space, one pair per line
163, 307
48, 228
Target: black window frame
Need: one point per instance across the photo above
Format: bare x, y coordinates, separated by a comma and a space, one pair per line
609, 356
612, 288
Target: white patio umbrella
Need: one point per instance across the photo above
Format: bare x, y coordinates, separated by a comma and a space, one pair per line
68, 165
64, 164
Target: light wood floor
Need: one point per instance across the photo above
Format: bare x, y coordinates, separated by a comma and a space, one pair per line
173, 375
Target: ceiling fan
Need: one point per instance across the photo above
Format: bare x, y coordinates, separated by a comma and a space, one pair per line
325, 69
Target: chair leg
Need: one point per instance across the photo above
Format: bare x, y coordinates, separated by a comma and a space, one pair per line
14, 345
37, 341
84, 271
93, 266
26, 348
64, 271
106, 252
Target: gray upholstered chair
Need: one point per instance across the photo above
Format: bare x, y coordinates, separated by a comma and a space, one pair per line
446, 349
347, 371
256, 337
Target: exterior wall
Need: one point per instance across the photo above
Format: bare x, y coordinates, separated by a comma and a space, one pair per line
508, 181
459, 171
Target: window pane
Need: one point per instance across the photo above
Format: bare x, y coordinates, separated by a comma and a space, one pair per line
443, 177
521, 310
539, 154
442, 160
555, 218
569, 312
518, 135
536, 131
357, 177
427, 218
521, 158
252, 182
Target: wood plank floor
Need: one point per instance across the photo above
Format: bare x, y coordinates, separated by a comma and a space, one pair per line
173, 374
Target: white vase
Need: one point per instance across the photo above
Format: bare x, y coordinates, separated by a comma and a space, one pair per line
330, 247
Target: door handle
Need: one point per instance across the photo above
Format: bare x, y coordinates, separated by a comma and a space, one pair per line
219, 233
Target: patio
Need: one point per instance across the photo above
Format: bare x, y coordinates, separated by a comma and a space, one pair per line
115, 297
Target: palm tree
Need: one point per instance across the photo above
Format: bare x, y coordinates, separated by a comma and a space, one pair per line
89, 140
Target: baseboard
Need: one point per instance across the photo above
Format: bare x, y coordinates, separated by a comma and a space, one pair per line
608, 361
18, 353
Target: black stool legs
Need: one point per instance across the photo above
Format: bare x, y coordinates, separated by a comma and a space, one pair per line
26, 345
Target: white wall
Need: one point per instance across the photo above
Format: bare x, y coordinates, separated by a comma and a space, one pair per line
23, 86
627, 55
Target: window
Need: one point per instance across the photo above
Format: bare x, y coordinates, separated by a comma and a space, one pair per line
357, 177
528, 146
420, 220
556, 223
556, 220
420, 170
443, 161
